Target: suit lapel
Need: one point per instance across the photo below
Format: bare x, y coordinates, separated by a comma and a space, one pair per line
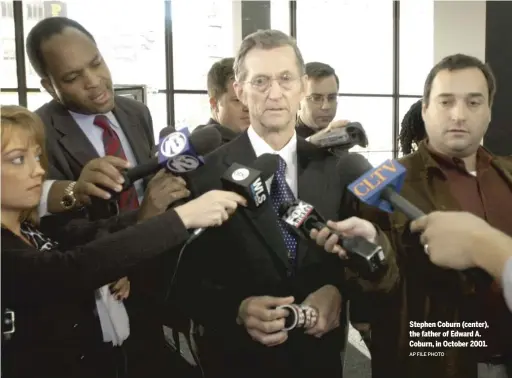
263, 221
131, 127
72, 138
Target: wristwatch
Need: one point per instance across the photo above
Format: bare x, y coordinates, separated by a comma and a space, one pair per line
68, 200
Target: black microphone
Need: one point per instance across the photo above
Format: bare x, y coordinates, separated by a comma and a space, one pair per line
366, 258
179, 152
378, 186
250, 182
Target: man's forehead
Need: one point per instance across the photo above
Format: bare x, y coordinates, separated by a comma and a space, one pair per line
326, 84
273, 61
68, 49
465, 81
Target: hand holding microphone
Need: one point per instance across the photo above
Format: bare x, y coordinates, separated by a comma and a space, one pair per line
211, 209
353, 237
264, 318
163, 190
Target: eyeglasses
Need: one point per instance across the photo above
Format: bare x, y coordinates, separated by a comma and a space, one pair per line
319, 99
262, 83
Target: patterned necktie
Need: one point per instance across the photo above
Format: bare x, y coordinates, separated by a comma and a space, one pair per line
128, 199
280, 193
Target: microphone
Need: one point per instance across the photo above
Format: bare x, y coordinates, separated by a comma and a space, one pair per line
344, 138
367, 258
378, 187
179, 152
250, 182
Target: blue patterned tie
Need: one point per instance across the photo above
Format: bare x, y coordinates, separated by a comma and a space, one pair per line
280, 193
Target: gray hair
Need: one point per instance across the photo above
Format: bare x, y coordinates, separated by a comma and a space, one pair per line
266, 40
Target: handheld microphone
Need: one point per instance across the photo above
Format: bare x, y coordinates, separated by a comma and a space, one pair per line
178, 151
367, 258
249, 182
344, 138
379, 187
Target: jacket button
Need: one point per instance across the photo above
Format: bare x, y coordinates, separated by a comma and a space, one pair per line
289, 273
82, 357
75, 325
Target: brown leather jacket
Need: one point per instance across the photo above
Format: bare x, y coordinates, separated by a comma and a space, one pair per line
425, 292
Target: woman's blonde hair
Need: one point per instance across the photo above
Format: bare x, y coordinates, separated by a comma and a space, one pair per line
15, 118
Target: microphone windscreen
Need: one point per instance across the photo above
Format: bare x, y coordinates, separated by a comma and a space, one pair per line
283, 208
266, 164
166, 131
352, 166
205, 140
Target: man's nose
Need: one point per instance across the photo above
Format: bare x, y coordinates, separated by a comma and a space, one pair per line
459, 111
275, 90
92, 80
326, 104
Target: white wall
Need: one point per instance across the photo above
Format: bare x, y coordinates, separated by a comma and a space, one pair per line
459, 27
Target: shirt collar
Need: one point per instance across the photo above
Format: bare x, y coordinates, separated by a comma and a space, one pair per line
78, 117
288, 152
441, 162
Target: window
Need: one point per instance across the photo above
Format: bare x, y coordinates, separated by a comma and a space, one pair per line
280, 15
9, 98
133, 46
37, 99
355, 37
7, 9
416, 44
157, 103
375, 115
191, 110
9, 78
201, 36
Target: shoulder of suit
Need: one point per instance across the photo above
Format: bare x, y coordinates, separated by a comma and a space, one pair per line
411, 160
48, 109
504, 161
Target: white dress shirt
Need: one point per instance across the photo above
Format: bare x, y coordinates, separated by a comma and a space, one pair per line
112, 314
288, 153
95, 136
507, 283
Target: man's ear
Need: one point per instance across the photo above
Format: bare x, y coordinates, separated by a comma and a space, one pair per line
47, 84
213, 104
240, 93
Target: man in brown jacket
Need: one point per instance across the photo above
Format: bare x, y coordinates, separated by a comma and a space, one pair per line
449, 171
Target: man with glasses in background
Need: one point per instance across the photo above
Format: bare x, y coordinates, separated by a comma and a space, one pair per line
319, 105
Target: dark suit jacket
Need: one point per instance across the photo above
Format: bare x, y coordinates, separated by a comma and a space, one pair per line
226, 133
57, 334
426, 292
69, 149
247, 257
302, 129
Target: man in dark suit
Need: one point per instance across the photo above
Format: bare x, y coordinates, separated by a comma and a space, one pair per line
229, 115
84, 121
238, 274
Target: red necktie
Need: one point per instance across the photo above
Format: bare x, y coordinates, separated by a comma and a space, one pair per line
113, 147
